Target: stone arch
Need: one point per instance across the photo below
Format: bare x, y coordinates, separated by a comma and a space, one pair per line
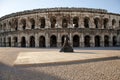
75, 41
32, 41
53, 41
105, 22
32, 21
114, 40
41, 41
86, 22
106, 41
9, 41
42, 21
113, 22
15, 41
23, 42
23, 22
97, 41
64, 22
76, 22
53, 22
96, 22
87, 41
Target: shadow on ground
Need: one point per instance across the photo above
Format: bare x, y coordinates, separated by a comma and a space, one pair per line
20, 73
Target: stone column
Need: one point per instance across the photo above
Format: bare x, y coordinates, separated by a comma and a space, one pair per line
82, 41
47, 40
36, 40
81, 22
37, 26
58, 40
12, 41
92, 25
111, 40
102, 41
27, 40
71, 39
19, 41
92, 41
47, 22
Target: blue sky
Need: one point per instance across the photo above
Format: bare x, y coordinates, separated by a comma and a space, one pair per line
10, 6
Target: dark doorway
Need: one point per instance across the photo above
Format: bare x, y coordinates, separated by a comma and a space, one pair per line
106, 41
75, 22
42, 41
23, 42
114, 41
86, 22
76, 41
42, 20
9, 42
15, 41
64, 23
87, 41
53, 41
32, 41
97, 41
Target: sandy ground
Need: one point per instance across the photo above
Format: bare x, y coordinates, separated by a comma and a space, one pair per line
107, 69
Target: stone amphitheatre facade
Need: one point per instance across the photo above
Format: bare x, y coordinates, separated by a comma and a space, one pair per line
85, 27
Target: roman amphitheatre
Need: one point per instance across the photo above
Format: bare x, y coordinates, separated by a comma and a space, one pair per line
86, 27
30, 42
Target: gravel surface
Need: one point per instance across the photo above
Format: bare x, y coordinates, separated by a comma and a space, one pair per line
100, 70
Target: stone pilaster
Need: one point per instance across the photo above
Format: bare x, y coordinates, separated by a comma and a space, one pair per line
92, 42
58, 40
36, 40
102, 41
111, 40
71, 39
47, 40
82, 41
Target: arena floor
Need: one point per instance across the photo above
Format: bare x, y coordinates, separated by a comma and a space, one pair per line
50, 64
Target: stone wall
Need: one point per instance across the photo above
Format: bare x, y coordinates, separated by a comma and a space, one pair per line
46, 28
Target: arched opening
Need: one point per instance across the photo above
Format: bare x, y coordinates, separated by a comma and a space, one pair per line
105, 23
32, 23
87, 41
114, 40
16, 24
53, 41
9, 41
64, 23
32, 41
23, 21
96, 22
42, 21
23, 42
42, 41
86, 22
113, 22
106, 41
53, 22
76, 41
63, 37
119, 23
75, 22
15, 41
97, 41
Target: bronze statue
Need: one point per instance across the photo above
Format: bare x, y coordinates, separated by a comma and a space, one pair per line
66, 45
